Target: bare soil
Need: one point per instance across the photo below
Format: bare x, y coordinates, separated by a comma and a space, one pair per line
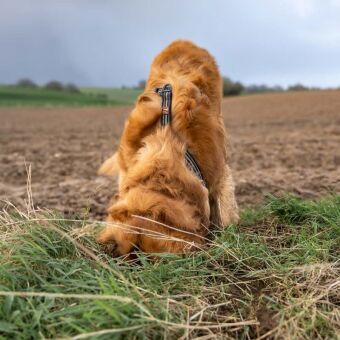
287, 142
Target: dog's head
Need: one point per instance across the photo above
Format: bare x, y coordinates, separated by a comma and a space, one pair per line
129, 231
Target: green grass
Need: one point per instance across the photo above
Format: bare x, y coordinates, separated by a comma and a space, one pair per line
123, 96
276, 273
37, 97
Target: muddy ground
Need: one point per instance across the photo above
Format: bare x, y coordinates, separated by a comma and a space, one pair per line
288, 142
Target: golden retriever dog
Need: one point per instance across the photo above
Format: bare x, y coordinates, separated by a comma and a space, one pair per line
162, 205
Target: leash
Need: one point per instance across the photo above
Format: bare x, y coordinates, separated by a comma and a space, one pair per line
166, 94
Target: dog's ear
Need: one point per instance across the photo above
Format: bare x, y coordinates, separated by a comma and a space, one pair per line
110, 167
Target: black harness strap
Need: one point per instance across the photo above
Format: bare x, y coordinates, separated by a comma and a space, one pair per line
166, 93
193, 165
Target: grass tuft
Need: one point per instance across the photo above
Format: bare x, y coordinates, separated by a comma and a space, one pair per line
291, 209
276, 274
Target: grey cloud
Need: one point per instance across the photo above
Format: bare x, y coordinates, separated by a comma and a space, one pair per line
111, 43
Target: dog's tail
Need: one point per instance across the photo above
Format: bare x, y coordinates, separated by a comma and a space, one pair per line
187, 99
110, 167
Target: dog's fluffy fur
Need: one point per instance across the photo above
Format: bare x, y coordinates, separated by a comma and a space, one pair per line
164, 207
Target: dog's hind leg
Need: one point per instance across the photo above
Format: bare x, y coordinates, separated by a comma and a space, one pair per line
140, 123
223, 206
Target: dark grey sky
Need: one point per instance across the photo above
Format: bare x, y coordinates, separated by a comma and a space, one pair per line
112, 43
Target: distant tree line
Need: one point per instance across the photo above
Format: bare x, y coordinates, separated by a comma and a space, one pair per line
232, 88
236, 88
53, 85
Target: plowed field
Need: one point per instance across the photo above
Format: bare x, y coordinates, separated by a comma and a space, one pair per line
287, 142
